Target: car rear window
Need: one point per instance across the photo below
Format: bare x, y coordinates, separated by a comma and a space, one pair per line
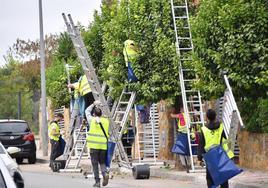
13, 127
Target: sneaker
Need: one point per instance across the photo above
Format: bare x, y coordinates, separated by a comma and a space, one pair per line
97, 184
105, 180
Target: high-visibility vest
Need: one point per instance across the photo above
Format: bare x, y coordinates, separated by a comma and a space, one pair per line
54, 125
130, 53
182, 127
84, 87
95, 137
213, 138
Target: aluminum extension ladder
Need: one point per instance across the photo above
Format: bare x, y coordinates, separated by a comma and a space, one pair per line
93, 81
230, 116
77, 151
184, 48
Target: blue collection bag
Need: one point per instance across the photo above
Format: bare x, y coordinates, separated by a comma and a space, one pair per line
182, 146
110, 148
131, 75
110, 153
220, 166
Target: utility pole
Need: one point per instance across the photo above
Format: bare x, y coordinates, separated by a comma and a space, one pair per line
43, 85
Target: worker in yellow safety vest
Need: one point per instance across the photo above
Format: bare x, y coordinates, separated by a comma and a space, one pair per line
83, 93
54, 135
212, 135
97, 139
130, 52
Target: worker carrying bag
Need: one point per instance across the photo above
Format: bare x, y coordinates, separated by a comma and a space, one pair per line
220, 166
110, 148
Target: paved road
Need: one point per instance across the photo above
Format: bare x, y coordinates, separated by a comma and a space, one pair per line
39, 176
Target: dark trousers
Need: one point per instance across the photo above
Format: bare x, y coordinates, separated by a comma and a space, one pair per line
55, 150
210, 181
98, 157
127, 146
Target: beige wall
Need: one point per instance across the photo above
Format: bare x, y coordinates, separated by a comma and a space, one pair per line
253, 150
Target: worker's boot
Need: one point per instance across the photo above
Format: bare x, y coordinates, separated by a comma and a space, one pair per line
105, 179
97, 184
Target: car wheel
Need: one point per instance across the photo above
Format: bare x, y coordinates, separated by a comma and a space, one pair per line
19, 160
32, 159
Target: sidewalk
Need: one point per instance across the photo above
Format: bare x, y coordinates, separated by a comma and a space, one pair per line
247, 179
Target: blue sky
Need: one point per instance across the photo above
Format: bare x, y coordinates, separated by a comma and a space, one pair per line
20, 18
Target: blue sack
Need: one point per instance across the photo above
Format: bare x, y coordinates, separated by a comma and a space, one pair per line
131, 75
220, 166
110, 153
182, 146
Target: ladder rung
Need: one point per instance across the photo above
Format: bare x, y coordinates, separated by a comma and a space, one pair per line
181, 17
120, 112
190, 80
190, 91
180, 6
193, 101
184, 38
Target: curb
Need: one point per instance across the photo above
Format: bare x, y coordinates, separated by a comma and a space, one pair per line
198, 178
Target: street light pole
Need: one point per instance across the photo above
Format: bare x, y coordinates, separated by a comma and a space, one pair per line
43, 85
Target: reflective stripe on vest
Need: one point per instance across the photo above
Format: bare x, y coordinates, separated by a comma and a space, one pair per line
57, 130
84, 87
182, 123
213, 138
95, 137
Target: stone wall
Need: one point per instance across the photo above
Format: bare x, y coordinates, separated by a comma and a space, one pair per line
253, 150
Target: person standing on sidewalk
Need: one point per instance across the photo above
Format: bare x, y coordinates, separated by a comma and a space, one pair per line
212, 135
97, 141
54, 135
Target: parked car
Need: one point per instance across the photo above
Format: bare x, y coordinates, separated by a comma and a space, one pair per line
17, 133
6, 180
11, 166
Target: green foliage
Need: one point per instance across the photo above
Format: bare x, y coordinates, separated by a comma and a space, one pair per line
57, 84
232, 36
256, 119
148, 23
11, 84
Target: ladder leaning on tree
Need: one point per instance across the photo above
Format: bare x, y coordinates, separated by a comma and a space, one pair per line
116, 128
184, 48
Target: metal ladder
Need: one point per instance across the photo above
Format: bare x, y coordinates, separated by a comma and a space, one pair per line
120, 117
93, 81
77, 151
148, 138
230, 117
184, 48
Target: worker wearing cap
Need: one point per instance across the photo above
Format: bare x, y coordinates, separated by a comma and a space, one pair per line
212, 135
54, 135
97, 139
130, 52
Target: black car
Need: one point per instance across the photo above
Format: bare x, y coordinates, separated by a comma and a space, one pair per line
18, 134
